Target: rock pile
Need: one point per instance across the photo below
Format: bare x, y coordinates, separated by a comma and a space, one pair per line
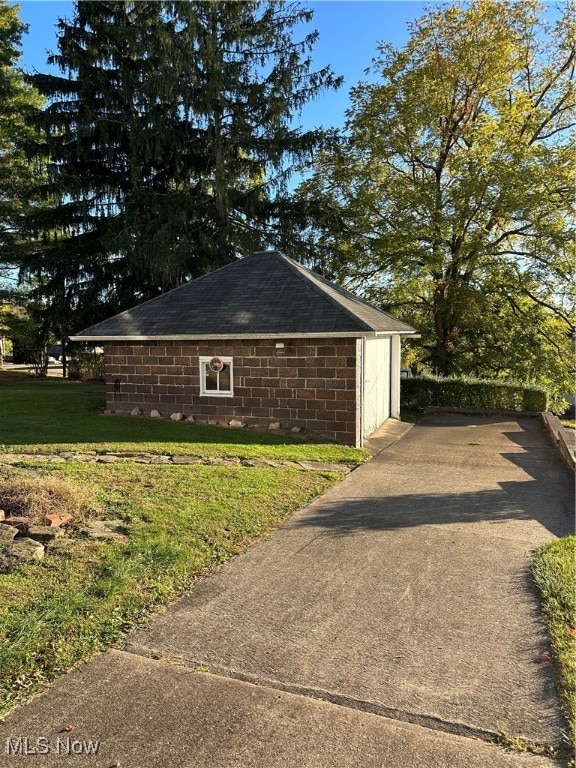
21, 541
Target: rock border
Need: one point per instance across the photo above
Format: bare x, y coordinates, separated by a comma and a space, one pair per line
557, 433
112, 457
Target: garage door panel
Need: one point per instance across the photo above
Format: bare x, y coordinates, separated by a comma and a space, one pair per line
376, 384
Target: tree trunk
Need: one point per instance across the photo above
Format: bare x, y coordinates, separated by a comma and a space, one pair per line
445, 332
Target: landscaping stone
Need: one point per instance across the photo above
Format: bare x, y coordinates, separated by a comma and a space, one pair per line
21, 523
177, 416
236, 423
190, 419
274, 425
2, 515
136, 412
217, 462
149, 458
7, 533
57, 519
44, 533
61, 544
155, 414
11, 458
104, 530
26, 549
296, 429
324, 466
291, 464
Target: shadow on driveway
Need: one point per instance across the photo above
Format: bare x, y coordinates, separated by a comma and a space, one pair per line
393, 512
464, 476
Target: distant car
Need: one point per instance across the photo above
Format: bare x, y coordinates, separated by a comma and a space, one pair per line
54, 352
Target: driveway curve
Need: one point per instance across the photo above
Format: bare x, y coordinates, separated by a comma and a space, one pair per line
404, 590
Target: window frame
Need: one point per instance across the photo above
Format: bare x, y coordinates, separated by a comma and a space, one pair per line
203, 361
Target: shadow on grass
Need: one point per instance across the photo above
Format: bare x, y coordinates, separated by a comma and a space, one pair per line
56, 412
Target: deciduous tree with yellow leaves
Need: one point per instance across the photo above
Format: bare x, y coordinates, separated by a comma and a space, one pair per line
450, 198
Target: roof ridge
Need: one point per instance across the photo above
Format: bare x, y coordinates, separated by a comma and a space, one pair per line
312, 276
251, 304
339, 288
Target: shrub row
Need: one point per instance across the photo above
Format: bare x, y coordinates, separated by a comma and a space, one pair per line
466, 392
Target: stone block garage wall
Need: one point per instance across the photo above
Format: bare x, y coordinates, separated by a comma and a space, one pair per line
312, 386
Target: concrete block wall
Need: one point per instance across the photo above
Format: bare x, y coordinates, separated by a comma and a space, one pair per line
313, 385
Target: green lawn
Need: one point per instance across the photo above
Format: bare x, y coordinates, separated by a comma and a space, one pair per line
48, 415
410, 416
554, 570
180, 521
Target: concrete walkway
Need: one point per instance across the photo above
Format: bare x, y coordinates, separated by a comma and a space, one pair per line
391, 622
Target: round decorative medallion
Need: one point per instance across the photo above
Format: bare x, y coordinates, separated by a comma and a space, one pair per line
216, 365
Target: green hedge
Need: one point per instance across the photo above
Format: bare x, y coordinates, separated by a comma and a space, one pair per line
86, 366
466, 392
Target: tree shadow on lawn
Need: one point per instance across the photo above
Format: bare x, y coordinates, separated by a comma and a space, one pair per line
110, 429
63, 412
42, 411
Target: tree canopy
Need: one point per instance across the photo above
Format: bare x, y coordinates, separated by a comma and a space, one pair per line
18, 101
450, 200
170, 137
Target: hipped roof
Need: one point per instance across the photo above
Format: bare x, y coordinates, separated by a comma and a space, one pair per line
264, 295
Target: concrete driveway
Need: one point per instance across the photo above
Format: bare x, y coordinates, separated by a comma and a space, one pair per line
392, 622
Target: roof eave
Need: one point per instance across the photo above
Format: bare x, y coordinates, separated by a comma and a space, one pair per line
242, 336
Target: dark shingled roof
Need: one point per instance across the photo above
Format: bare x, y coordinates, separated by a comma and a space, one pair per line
265, 294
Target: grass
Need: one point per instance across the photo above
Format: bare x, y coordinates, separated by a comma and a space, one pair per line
181, 522
554, 570
50, 415
36, 497
410, 416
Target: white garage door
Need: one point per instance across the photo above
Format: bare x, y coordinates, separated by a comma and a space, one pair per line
376, 384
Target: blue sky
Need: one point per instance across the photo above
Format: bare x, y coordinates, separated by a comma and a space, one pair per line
349, 33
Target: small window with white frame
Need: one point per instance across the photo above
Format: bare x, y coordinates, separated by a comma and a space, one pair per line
216, 376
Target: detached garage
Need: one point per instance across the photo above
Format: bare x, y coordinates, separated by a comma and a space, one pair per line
261, 341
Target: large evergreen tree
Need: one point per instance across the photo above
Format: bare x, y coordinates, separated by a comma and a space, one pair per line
451, 199
17, 102
170, 134
18, 176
